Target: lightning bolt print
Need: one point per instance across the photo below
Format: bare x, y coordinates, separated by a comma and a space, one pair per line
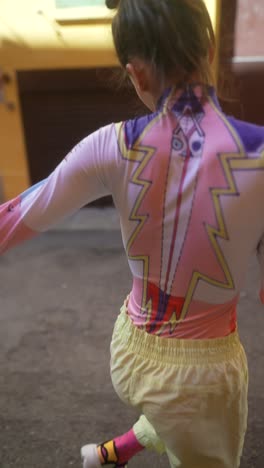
230, 162
141, 154
185, 172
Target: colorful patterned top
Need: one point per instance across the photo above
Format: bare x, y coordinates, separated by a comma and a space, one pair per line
188, 184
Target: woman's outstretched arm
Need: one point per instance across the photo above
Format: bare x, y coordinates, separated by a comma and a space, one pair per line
80, 178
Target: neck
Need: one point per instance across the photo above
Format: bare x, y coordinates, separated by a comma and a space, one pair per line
172, 84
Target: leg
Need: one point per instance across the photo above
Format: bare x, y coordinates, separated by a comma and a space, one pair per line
115, 452
120, 450
147, 436
202, 431
193, 394
203, 420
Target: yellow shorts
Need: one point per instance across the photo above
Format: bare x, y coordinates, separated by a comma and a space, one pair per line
192, 393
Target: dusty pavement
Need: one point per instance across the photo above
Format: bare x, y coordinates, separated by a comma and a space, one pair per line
59, 296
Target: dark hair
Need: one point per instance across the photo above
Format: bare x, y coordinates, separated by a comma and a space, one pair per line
174, 36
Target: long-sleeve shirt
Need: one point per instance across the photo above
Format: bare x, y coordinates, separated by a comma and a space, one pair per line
188, 183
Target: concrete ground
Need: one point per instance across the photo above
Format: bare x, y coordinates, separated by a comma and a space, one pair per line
60, 294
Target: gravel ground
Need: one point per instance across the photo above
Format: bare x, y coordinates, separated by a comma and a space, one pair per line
60, 294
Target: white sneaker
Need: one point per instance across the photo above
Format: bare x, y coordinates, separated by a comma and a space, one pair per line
90, 456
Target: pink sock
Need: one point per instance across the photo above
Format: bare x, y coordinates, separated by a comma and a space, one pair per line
127, 446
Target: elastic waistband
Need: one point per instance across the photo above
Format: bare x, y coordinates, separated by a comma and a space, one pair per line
174, 350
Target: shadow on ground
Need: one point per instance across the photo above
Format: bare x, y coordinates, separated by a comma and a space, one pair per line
60, 295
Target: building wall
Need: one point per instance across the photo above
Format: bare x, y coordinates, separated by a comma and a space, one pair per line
241, 62
61, 107
249, 29
31, 40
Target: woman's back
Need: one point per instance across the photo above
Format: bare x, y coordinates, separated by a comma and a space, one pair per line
189, 192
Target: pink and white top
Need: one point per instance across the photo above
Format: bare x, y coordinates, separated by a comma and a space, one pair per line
188, 183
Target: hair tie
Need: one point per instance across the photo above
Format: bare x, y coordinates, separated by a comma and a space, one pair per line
111, 4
